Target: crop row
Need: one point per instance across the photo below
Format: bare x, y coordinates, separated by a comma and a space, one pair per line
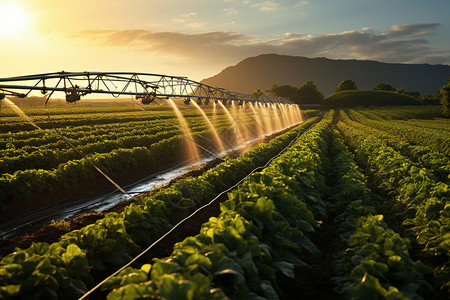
68, 267
259, 237
51, 155
425, 198
436, 124
23, 183
49, 151
372, 260
404, 112
436, 162
437, 139
41, 169
65, 167
88, 134
47, 169
78, 109
18, 124
90, 116
110, 156
24, 138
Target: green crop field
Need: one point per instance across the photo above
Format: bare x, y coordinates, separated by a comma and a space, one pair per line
357, 206
115, 138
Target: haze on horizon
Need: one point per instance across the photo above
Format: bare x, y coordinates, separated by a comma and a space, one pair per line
199, 38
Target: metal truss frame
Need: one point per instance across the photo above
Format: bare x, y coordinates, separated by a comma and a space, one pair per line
144, 86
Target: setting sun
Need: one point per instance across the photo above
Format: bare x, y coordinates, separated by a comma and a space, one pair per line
14, 20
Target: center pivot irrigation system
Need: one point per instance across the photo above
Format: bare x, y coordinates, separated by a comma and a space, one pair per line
145, 87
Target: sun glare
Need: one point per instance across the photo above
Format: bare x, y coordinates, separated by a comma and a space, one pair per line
14, 21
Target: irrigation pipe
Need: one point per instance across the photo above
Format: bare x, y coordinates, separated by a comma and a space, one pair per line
194, 213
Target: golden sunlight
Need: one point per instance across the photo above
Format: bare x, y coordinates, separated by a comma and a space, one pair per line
14, 20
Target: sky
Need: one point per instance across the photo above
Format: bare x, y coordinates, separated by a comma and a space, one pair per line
200, 38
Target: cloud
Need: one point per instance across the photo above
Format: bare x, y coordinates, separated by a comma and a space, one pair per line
412, 29
401, 43
187, 19
301, 4
230, 11
196, 25
163, 41
267, 6
184, 18
291, 35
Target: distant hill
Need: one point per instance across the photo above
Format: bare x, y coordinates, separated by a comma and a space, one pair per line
264, 70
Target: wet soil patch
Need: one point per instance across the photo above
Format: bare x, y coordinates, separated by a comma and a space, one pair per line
48, 233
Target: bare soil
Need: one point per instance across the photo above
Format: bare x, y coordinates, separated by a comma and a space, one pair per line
48, 233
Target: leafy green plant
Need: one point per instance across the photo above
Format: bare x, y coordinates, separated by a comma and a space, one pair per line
62, 225
417, 187
260, 233
110, 242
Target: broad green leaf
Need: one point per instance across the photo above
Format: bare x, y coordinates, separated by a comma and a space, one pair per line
268, 290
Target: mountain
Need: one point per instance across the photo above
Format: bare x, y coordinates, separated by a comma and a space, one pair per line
264, 70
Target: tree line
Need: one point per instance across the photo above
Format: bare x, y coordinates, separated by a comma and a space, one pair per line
309, 93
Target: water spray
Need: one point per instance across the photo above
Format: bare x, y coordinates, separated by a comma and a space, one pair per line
146, 87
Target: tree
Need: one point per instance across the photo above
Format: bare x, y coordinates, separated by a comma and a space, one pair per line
286, 90
400, 91
412, 94
430, 100
257, 93
384, 87
445, 99
309, 93
346, 85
